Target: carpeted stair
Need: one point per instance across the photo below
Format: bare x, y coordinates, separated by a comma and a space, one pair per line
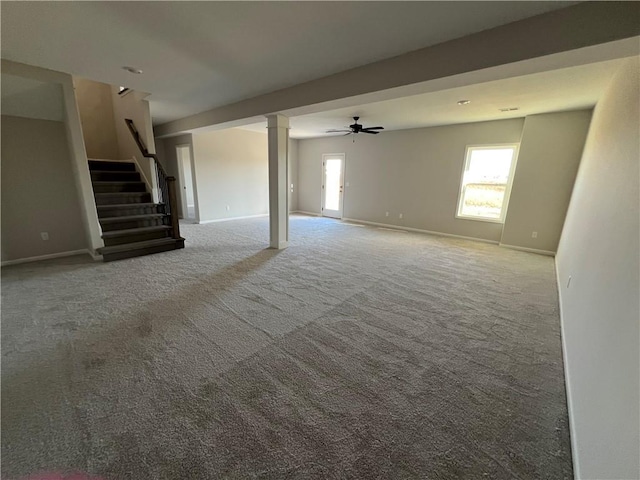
132, 225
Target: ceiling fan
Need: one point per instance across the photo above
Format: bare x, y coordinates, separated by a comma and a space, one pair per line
357, 128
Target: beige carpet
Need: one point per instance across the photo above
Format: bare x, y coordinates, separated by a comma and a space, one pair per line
356, 353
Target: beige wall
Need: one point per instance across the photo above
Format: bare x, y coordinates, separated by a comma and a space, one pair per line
550, 152
38, 190
599, 251
413, 172
231, 168
134, 106
96, 114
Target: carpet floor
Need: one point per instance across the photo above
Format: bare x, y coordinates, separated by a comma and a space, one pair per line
357, 352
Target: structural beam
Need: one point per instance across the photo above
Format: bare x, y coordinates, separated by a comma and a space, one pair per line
278, 135
584, 25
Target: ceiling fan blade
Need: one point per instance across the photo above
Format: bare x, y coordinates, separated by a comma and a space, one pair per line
374, 128
347, 134
338, 131
367, 131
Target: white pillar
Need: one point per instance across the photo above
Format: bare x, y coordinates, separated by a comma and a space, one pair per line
278, 133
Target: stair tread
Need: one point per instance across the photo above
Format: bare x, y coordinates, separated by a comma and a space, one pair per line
111, 182
112, 171
136, 245
129, 205
123, 193
126, 218
124, 160
134, 231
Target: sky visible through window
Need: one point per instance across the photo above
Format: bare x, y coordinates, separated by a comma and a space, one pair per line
485, 182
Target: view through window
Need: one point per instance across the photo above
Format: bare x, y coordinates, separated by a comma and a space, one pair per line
486, 182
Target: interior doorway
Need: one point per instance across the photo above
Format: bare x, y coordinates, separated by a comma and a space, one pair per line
185, 172
332, 184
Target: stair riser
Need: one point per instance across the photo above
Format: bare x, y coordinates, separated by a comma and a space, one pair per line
125, 212
135, 237
112, 166
121, 199
119, 187
115, 176
144, 251
126, 225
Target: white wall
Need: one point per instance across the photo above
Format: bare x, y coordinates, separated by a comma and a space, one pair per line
38, 190
599, 250
550, 152
413, 172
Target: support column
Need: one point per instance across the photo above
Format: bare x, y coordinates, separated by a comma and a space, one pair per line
278, 133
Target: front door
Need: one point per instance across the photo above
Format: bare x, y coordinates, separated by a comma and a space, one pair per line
332, 184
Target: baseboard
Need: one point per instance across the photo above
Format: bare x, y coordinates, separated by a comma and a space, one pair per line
572, 429
201, 222
302, 212
96, 256
419, 230
530, 250
45, 257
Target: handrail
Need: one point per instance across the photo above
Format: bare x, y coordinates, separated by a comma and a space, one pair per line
166, 184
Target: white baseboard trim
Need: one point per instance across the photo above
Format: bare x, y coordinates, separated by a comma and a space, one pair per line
419, 230
567, 381
201, 222
302, 212
530, 250
45, 257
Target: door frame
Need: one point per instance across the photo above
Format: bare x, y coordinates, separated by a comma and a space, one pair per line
322, 186
182, 183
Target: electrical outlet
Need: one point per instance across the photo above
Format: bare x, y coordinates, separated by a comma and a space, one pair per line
386, 214
228, 208
400, 216
534, 234
44, 235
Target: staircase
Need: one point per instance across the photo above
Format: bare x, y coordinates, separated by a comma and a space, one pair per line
132, 225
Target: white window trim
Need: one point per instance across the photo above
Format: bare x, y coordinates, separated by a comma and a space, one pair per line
507, 193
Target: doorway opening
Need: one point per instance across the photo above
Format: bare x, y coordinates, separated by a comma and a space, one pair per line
332, 184
185, 172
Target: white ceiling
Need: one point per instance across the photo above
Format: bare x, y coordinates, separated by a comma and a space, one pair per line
24, 97
557, 90
200, 55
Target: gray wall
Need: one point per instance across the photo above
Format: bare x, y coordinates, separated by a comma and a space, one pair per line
599, 250
550, 152
38, 190
96, 114
413, 172
231, 168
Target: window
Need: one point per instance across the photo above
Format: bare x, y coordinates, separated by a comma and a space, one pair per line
486, 182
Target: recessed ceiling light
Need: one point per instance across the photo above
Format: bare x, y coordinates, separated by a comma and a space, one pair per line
509, 109
135, 70
464, 102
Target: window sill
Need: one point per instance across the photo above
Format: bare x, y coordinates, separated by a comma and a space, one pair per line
480, 219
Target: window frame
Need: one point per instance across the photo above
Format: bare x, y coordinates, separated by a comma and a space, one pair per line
507, 193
